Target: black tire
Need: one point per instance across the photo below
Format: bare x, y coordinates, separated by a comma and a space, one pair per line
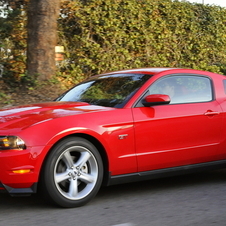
73, 172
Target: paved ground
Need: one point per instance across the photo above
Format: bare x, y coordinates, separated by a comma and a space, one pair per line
180, 201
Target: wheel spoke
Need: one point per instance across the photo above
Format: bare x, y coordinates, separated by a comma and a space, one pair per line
87, 178
68, 159
83, 159
59, 177
73, 188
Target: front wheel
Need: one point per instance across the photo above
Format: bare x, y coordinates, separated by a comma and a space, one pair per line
73, 172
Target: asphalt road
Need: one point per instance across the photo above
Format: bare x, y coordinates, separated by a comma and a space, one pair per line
198, 200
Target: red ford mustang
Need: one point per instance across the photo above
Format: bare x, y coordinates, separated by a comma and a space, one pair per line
114, 128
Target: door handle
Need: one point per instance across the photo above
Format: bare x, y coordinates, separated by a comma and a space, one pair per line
211, 113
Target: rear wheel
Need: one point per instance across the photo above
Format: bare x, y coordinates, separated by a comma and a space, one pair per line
73, 172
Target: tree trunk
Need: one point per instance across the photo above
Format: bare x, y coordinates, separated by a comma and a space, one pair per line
42, 38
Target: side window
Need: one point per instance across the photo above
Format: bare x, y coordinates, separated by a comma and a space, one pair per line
184, 88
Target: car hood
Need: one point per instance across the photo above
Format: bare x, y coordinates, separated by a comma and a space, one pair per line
24, 116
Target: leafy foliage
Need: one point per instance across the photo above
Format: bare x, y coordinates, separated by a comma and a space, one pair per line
13, 43
106, 35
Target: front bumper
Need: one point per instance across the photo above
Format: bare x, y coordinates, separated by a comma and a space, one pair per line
19, 170
18, 191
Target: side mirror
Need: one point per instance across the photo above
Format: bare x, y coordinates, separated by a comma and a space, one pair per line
156, 99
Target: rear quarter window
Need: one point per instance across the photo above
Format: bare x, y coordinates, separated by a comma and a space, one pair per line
224, 82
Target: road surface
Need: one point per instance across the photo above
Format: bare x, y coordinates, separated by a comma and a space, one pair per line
197, 199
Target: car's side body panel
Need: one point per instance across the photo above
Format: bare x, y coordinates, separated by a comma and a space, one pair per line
113, 128
174, 135
166, 172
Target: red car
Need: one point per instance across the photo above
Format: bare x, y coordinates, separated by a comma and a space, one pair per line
114, 128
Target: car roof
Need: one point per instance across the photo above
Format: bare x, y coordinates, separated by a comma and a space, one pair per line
142, 70
157, 70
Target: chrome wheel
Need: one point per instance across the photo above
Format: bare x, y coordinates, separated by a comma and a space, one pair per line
73, 172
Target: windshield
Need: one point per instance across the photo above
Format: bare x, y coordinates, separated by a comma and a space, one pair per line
107, 90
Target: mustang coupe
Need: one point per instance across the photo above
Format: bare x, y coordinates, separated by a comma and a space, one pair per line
114, 128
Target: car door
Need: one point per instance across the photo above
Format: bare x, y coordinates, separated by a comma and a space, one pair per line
186, 131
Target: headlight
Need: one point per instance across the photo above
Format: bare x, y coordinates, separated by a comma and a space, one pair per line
11, 143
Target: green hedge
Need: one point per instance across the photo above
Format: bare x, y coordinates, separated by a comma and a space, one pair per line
107, 35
